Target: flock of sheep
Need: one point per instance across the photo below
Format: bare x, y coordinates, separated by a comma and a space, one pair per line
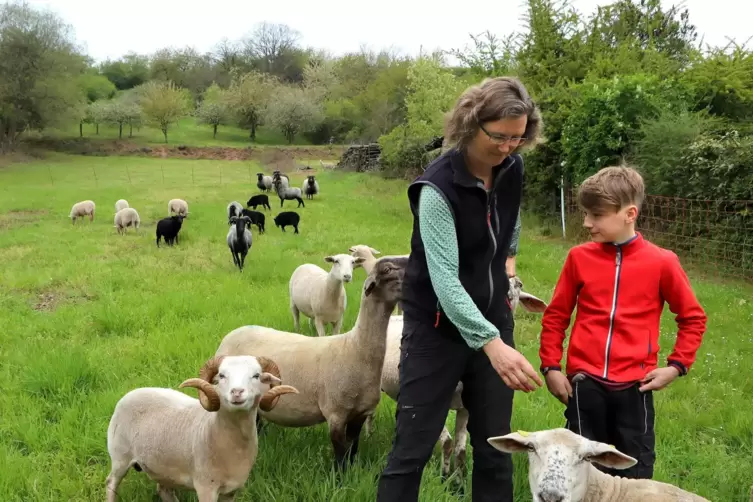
210, 444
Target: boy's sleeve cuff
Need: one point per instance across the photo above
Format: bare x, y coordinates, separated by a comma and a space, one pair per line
546, 369
680, 367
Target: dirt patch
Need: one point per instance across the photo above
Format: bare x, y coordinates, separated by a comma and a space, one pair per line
48, 300
20, 217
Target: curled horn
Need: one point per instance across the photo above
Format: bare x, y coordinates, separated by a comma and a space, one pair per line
270, 398
208, 397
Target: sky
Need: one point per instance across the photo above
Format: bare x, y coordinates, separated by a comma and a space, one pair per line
112, 29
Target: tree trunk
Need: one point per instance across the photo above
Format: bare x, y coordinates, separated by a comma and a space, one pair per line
252, 136
130, 133
215, 132
164, 131
81, 129
120, 132
97, 128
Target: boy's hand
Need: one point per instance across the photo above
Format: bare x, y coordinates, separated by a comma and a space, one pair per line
559, 386
659, 378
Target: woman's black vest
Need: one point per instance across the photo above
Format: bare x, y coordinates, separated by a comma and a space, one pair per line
484, 224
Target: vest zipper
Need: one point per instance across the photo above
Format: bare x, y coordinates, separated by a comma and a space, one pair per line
494, 248
610, 333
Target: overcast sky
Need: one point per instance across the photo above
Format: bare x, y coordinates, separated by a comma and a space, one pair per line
111, 29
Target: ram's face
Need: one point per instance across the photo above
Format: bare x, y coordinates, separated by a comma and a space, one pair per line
240, 382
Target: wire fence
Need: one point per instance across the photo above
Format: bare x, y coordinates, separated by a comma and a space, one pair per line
714, 237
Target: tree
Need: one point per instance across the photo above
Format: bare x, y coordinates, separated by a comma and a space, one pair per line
247, 97
213, 109
127, 72
293, 111
272, 47
162, 103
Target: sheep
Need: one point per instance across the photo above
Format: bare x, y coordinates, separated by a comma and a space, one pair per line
282, 178
259, 200
369, 258
177, 206
256, 218
120, 204
288, 194
310, 187
263, 183
560, 468
127, 217
337, 376
288, 218
169, 228
391, 380
320, 295
208, 444
239, 240
233, 209
81, 209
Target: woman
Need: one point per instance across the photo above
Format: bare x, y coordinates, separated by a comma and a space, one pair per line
457, 320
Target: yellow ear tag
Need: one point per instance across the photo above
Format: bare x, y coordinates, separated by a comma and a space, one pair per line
523, 433
612, 446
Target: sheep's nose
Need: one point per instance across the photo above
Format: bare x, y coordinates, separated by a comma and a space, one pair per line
237, 393
347, 277
549, 496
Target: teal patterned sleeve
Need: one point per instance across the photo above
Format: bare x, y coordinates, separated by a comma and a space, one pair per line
437, 228
515, 237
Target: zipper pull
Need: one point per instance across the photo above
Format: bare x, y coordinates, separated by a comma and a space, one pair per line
436, 323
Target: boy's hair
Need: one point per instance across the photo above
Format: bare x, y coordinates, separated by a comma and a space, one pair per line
611, 189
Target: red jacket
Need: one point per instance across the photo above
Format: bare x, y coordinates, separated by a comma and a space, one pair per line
620, 293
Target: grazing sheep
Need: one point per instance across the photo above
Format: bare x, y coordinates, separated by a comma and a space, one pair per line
320, 295
337, 376
177, 206
208, 444
282, 178
560, 468
259, 200
127, 217
263, 183
286, 218
233, 209
81, 209
310, 187
256, 218
239, 240
120, 204
391, 380
288, 194
169, 228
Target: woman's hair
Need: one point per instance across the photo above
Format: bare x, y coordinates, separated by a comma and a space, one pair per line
492, 99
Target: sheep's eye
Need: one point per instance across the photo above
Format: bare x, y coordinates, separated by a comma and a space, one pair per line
256, 375
222, 375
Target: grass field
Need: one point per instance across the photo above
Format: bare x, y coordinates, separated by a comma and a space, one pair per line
88, 315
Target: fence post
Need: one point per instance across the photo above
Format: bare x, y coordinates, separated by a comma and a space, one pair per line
562, 203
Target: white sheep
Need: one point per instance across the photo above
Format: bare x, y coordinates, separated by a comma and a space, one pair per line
391, 381
81, 209
177, 206
127, 217
560, 469
120, 204
207, 444
320, 295
338, 376
369, 259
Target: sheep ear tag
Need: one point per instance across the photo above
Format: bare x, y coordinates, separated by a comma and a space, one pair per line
524, 433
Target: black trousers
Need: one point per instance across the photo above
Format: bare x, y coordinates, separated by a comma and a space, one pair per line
431, 365
623, 418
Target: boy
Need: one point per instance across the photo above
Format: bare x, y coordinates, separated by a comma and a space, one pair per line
619, 282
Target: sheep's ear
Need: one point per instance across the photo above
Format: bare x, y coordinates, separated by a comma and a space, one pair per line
329, 259
359, 260
270, 379
374, 251
352, 250
531, 303
608, 456
369, 285
515, 442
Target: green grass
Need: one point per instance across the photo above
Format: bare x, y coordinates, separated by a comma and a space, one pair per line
88, 315
186, 132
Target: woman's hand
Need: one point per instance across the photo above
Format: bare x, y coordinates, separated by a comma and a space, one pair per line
512, 366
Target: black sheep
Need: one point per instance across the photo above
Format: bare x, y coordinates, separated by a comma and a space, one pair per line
169, 228
287, 218
256, 218
259, 200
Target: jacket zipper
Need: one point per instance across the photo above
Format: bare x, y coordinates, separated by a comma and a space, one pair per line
494, 246
618, 266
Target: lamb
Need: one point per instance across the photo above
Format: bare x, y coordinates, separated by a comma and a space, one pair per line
127, 217
282, 178
256, 218
259, 200
286, 218
560, 468
263, 183
337, 376
391, 380
81, 209
321, 295
310, 187
177, 206
287, 193
120, 204
239, 240
234, 209
208, 444
169, 228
